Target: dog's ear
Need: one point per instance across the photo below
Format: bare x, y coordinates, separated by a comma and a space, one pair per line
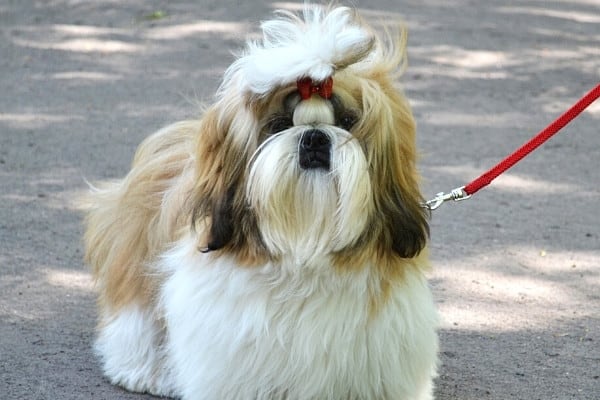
221, 223
224, 143
389, 129
406, 228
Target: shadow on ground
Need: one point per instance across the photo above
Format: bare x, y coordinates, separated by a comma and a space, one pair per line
515, 269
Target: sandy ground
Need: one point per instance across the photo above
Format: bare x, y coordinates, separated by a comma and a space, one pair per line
516, 269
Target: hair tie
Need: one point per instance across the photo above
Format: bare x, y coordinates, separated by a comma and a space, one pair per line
307, 87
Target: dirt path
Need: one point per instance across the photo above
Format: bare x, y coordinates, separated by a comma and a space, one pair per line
517, 268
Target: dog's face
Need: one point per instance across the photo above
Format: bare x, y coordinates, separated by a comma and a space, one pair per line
315, 159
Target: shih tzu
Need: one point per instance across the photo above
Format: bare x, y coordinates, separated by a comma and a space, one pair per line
275, 247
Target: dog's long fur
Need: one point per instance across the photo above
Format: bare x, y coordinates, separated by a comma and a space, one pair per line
226, 271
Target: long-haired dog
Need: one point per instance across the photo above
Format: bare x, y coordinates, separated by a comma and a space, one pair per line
274, 248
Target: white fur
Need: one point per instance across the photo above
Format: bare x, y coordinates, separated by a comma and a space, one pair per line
314, 111
315, 46
129, 345
301, 326
324, 211
294, 332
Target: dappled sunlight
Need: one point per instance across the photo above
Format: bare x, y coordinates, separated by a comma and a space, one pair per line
472, 119
62, 200
35, 120
565, 35
457, 62
460, 63
96, 39
515, 271
594, 109
459, 73
520, 184
557, 105
510, 182
387, 19
471, 59
549, 261
133, 110
376, 17
181, 31
42, 294
286, 5
566, 54
52, 188
575, 16
512, 289
77, 39
555, 59
18, 198
70, 279
69, 199
81, 45
558, 99
93, 76
87, 30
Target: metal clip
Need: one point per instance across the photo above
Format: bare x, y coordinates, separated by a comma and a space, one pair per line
457, 194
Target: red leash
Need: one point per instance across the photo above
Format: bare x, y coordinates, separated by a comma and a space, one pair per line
464, 192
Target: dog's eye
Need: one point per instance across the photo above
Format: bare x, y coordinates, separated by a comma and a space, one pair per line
348, 119
291, 101
279, 123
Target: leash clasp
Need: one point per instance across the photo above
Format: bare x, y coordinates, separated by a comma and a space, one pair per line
457, 194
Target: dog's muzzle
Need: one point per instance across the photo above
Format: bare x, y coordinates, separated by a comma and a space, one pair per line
315, 150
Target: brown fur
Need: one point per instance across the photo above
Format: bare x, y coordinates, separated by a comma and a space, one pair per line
192, 175
218, 191
398, 229
186, 175
130, 221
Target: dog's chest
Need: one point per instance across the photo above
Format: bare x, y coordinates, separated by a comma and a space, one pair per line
266, 334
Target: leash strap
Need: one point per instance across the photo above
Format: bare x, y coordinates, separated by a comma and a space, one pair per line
465, 192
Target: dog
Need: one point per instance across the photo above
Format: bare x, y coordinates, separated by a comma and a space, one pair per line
274, 248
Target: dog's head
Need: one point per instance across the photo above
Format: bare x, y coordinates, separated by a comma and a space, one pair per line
310, 149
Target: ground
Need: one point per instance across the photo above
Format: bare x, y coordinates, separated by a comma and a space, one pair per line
516, 269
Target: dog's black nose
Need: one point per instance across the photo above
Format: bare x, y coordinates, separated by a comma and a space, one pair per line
315, 150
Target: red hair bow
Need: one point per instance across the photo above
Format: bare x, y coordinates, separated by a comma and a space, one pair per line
306, 88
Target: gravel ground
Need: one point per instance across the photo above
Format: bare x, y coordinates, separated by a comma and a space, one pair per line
516, 269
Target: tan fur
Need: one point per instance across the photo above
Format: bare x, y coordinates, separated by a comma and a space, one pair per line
389, 138
130, 221
178, 177
390, 143
223, 153
191, 174
306, 191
